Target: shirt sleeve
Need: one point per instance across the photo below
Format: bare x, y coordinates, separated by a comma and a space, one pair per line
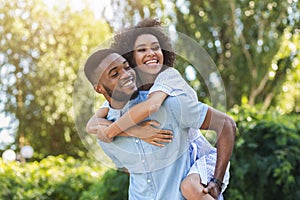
171, 82
187, 112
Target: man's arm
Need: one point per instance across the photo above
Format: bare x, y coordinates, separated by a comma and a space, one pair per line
98, 118
225, 128
191, 114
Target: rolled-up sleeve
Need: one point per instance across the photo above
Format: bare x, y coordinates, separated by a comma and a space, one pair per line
170, 82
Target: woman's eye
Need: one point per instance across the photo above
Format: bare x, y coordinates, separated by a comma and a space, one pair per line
141, 50
156, 48
128, 67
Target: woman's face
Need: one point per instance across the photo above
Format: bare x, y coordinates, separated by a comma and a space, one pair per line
148, 54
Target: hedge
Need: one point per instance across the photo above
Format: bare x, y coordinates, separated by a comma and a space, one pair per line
265, 162
51, 178
265, 165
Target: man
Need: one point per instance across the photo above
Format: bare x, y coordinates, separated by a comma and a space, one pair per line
155, 172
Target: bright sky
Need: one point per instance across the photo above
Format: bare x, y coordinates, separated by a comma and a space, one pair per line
5, 137
96, 5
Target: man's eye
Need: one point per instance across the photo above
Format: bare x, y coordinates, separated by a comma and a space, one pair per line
114, 74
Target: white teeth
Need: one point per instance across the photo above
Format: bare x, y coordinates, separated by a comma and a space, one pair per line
151, 62
128, 83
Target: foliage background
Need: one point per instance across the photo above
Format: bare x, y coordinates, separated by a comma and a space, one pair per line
255, 45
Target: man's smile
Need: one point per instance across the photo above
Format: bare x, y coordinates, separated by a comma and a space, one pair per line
128, 82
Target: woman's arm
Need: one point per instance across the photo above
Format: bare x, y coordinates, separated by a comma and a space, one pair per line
136, 114
145, 131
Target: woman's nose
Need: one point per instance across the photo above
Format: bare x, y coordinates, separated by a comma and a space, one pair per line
150, 52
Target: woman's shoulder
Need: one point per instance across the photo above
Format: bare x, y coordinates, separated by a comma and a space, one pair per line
169, 73
171, 70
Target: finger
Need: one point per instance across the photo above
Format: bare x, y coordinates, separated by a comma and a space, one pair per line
92, 130
157, 144
93, 127
207, 190
154, 123
210, 190
167, 132
163, 140
164, 136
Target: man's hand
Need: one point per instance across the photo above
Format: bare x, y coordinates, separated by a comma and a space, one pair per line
149, 132
213, 189
99, 131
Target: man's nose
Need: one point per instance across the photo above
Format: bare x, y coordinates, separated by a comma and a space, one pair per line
125, 73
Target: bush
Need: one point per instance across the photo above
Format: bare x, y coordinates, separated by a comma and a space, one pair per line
113, 186
51, 178
265, 163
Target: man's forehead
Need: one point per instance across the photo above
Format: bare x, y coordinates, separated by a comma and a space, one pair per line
111, 60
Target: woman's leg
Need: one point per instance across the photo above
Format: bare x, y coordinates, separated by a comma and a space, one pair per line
192, 189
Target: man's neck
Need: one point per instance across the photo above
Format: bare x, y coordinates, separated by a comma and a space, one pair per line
117, 104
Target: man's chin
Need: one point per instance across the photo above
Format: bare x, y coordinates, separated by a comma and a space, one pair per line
124, 96
134, 94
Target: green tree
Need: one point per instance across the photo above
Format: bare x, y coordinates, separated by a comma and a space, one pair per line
41, 52
255, 44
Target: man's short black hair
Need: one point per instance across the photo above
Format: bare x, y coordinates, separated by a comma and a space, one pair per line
93, 62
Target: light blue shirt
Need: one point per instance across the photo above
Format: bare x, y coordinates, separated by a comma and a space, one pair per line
156, 172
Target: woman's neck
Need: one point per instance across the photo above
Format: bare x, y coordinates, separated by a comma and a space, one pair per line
145, 81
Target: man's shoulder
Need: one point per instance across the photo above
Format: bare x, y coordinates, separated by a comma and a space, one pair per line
142, 96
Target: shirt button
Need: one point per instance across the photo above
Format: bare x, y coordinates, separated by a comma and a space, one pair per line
149, 181
143, 161
136, 141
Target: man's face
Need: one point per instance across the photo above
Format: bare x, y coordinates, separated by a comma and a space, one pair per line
118, 78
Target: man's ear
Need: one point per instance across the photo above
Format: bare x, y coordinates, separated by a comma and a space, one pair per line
99, 88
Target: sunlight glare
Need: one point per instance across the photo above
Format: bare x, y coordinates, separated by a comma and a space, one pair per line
77, 5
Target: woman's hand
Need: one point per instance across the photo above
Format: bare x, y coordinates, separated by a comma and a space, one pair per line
149, 132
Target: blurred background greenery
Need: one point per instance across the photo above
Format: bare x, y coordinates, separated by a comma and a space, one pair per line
254, 44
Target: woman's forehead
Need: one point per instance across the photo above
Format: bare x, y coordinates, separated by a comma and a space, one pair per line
145, 39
